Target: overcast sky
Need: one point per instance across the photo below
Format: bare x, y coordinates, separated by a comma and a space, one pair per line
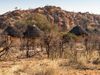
92, 6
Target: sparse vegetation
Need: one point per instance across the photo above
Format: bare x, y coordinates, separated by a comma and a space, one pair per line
29, 35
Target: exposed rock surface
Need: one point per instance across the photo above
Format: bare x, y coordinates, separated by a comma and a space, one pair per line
56, 16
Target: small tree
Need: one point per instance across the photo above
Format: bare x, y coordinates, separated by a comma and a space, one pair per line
5, 45
42, 22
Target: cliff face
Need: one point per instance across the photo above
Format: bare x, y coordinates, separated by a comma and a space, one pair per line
56, 16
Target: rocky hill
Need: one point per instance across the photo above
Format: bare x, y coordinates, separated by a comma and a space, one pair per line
55, 16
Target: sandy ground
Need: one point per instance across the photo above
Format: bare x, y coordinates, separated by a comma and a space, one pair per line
41, 67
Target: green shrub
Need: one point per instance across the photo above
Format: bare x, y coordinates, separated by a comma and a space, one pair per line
42, 22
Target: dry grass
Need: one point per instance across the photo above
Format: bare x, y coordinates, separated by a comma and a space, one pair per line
32, 66
43, 67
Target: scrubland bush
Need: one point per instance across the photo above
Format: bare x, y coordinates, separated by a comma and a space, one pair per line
54, 45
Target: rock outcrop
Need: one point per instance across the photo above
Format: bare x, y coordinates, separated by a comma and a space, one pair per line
56, 16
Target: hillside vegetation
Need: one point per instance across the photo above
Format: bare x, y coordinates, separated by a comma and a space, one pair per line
49, 41
50, 15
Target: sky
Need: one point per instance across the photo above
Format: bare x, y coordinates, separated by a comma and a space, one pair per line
92, 6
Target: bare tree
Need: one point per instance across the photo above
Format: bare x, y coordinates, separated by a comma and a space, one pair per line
5, 45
